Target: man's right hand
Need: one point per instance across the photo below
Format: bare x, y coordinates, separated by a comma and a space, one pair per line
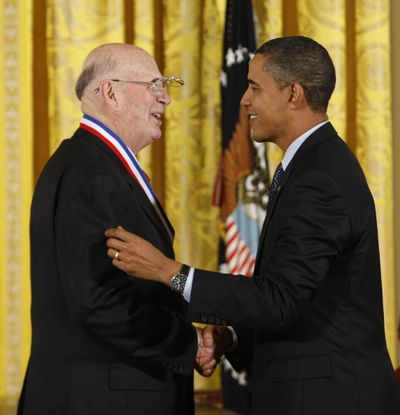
213, 341
138, 257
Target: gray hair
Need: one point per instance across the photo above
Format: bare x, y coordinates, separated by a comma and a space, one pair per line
92, 70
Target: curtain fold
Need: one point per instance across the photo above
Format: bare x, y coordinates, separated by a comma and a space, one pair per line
192, 40
16, 187
374, 137
74, 28
326, 23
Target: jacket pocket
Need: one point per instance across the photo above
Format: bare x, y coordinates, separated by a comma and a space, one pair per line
136, 379
302, 368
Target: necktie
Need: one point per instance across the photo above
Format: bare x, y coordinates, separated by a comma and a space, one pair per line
275, 183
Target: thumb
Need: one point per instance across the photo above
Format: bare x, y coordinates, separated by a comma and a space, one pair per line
208, 336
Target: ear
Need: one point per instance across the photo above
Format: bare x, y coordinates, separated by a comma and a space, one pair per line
108, 92
296, 96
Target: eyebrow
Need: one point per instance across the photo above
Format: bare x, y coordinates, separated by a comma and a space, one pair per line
251, 82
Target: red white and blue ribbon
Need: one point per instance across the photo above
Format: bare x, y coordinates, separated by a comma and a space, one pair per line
128, 159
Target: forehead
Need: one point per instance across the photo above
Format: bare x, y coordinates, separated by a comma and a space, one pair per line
144, 67
257, 69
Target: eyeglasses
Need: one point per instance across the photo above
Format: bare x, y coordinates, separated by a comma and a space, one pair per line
158, 85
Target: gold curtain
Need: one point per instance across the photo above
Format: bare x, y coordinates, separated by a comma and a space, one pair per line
192, 128
74, 28
373, 127
43, 44
15, 193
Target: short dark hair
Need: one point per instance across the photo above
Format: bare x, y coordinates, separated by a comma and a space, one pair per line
303, 60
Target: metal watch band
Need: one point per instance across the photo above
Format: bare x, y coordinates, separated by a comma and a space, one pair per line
178, 280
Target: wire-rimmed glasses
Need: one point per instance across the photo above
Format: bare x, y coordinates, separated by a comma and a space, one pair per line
158, 85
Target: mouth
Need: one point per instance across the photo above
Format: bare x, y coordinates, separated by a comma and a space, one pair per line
157, 116
252, 117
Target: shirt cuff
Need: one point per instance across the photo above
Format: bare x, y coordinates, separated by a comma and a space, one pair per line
234, 339
187, 292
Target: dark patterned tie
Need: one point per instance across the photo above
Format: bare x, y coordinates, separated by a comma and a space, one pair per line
275, 183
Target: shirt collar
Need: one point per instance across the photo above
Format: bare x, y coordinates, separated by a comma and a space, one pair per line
292, 149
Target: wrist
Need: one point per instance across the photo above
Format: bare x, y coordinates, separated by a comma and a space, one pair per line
167, 271
179, 278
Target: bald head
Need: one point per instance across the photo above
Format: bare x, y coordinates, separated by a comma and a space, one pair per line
105, 60
115, 87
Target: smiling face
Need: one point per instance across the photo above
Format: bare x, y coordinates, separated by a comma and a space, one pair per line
140, 109
267, 104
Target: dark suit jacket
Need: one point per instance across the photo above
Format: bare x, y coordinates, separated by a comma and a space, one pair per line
311, 319
102, 343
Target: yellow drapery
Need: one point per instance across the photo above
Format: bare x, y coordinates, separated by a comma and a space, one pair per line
15, 194
186, 39
373, 126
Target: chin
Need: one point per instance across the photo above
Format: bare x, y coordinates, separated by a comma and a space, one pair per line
256, 137
260, 139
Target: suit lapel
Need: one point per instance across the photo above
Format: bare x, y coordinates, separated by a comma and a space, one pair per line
140, 195
316, 138
150, 210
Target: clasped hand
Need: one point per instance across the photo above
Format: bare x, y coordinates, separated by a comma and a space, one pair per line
213, 341
141, 259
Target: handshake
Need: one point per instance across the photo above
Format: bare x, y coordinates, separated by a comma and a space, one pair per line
141, 259
212, 344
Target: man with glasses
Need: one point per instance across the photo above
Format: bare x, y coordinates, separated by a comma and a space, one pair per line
102, 343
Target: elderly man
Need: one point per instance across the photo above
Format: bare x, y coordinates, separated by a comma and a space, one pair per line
103, 343
311, 318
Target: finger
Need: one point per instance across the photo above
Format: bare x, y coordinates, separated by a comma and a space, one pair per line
206, 361
119, 233
208, 370
111, 252
111, 232
114, 254
208, 336
206, 374
120, 265
206, 351
115, 244
199, 333
210, 365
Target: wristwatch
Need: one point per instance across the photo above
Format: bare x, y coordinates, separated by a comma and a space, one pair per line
178, 280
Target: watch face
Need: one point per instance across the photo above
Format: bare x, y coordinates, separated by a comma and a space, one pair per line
178, 282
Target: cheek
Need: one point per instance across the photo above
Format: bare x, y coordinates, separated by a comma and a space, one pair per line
137, 114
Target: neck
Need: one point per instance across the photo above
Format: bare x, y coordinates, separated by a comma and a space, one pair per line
300, 126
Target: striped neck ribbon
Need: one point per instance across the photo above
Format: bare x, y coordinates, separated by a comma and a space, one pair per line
127, 158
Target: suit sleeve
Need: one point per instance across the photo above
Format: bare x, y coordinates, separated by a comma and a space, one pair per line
309, 230
104, 301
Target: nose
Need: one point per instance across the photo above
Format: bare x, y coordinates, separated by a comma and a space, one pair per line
245, 101
164, 98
